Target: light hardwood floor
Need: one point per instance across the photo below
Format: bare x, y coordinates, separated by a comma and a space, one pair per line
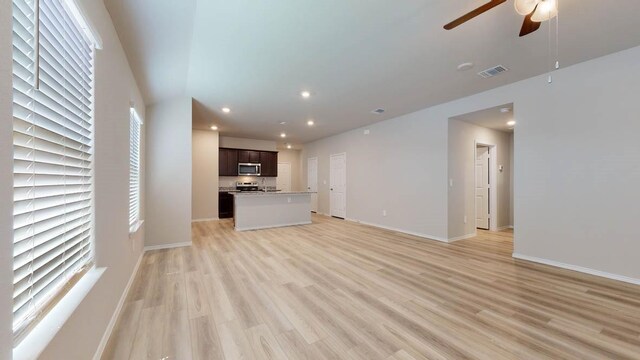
339, 290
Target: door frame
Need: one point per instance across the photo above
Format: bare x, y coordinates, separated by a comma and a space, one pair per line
493, 185
290, 173
345, 184
308, 188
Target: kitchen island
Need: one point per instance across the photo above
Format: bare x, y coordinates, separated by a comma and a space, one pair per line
262, 210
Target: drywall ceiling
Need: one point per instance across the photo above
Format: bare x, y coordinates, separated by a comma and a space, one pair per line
492, 118
354, 56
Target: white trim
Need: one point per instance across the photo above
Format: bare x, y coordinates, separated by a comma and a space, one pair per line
167, 246
463, 237
577, 268
504, 227
205, 219
80, 15
271, 226
135, 227
116, 314
32, 346
420, 235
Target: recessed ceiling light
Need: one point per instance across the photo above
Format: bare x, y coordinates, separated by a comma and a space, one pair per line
505, 110
310, 122
378, 111
511, 123
213, 127
465, 66
283, 135
283, 123
226, 110
305, 94
288, 146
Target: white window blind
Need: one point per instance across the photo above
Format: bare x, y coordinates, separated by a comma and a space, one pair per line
53, 139
134, 169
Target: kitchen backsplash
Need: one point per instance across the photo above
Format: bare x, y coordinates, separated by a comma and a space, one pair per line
230, 181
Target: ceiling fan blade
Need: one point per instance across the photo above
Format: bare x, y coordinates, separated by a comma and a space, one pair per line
529, 26
468, 16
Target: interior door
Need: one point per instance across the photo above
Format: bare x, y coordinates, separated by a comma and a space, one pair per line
312, 182
338, 185
482, 187
283, 181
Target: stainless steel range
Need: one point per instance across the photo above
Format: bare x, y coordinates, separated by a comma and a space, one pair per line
247, 186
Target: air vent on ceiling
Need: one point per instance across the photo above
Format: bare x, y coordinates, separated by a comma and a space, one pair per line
493, 71
378, 111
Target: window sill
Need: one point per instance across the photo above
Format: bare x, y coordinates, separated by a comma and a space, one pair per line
42, 334
135, 227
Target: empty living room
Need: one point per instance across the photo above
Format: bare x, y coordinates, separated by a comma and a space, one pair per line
359, 180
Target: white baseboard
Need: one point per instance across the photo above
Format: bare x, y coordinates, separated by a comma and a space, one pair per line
463, 237
116, 314
577, 268
271, 226
420, 235
167, 246
203, 220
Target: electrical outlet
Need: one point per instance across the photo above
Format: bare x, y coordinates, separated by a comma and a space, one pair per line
288, 199
465, 219
367, 132
450, 182
384, 212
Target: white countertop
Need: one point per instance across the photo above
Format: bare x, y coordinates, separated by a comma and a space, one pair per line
267, 193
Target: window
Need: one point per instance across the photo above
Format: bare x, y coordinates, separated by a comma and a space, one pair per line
53, 152
134, 170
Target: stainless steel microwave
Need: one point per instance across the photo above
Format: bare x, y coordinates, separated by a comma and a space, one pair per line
249, 169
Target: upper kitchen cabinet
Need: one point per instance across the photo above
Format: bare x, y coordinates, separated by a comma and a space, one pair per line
228, 162
249, 156
269, 162
230, 158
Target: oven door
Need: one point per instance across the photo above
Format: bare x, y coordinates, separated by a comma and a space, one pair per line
246, 169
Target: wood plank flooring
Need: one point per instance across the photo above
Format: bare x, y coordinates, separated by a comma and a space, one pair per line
340, 290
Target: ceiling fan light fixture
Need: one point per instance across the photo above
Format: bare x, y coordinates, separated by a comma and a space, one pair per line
525, 7
547, 10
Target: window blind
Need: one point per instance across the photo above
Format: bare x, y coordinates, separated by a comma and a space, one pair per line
52, 141
134, 169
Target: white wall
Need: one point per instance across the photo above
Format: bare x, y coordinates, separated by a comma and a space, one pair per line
6, 182
249, 144
575, 195
462, 139
399, 167
204, 193
115, 88
169, 172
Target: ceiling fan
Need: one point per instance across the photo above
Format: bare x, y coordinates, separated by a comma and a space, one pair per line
534, 12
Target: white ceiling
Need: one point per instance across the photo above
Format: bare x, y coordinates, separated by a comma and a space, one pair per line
354, 56
492, 118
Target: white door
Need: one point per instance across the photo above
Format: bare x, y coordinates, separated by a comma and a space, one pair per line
312, 182
283, 181
482, 187
338, 185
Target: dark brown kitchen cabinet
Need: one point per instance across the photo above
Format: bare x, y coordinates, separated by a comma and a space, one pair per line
230, 158
228, 162
269, 162
249, 156
225, 205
